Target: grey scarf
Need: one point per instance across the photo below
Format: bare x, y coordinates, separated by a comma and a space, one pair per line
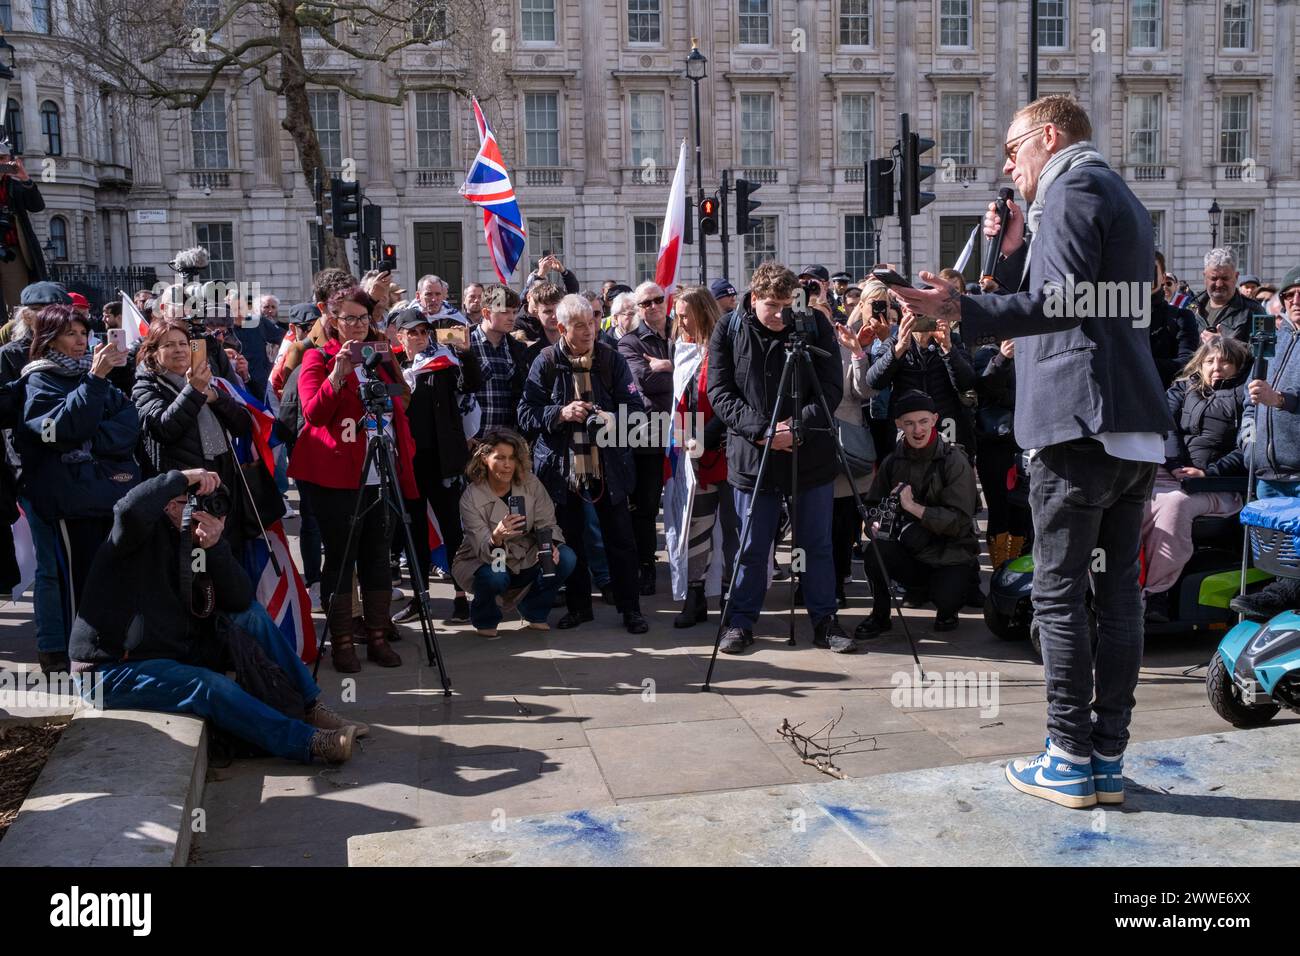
1076, 154
59, 363
211, 434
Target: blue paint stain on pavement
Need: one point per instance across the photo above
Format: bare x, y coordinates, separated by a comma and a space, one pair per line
854, 817
1085, 841
1169, 763
586, 830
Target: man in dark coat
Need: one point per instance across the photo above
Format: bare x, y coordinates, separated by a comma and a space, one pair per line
1174, 332
21, 259
1221, 309
1090, 401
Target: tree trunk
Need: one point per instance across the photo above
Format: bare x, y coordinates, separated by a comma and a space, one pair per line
298, 123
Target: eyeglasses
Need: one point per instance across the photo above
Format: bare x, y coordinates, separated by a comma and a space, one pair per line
353, 319
657, 300
1012, 148
1292, 293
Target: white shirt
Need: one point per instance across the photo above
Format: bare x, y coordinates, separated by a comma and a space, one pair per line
1134, 446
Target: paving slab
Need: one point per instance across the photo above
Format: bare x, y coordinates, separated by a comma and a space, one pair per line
1213, 800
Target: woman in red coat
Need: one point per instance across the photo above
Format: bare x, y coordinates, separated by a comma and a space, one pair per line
327, 462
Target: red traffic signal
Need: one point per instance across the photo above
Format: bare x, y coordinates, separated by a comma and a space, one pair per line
709, 215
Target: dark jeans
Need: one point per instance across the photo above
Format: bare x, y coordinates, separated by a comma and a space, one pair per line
620, 552
946, 585
76, 541
484, 612
1088, 505
845, 530
445, 502
333, 509
645, 503
309, 542
812, 533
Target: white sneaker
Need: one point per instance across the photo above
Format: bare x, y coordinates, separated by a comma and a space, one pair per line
313, 593
289, 510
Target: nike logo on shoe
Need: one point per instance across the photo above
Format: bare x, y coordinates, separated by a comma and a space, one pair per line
1044, 782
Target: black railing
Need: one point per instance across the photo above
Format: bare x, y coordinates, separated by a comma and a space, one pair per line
100, 285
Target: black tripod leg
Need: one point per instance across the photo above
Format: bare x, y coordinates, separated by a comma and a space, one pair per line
793, 500
745, 526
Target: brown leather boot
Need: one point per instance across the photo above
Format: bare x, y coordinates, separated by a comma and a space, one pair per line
1015, 546
343, 652
375, 606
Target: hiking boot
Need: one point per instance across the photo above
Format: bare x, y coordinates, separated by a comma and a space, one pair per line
574, 618
409, 613
333, 746
873, 626
375, 607
322, 718
695, 610
735, 640
830, 635
635, 622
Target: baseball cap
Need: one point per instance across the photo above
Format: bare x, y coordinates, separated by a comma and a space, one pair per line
411, 318
817, 272
1244, 279
79, 301
45, 293
721, 288
304, 313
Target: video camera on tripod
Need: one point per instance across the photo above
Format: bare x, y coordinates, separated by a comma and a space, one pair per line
375, 393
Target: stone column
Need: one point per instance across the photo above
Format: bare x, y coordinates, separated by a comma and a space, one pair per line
265, 121
1102, 74
1199, 17
807, 83
908, 73
593, 83
379, 131
1284, 90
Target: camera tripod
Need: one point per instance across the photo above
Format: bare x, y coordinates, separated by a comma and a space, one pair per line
798, 360
380, 453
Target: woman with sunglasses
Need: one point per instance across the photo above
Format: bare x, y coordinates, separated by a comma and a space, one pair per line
327, 464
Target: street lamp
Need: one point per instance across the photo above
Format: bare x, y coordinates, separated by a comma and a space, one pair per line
8, 63
1216, 217
696, 70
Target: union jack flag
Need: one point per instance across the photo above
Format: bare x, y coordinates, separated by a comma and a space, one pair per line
488, 186
1181, 300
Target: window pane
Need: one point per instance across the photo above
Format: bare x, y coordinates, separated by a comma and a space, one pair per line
429, 21
643, 21
645, 249
6, 15
1144, 24
324, 106
537, 19
14, 126
1158, 227
433, 130
756, 22
59, 237
1144, 128
760, 244
859, 246
546, 237
51, 128
954, 23
757, 145
1052, 23
855, 22
647, 115
1236, 237
955, 126
202, 13
1237, 16
208, 132
219, 239
41, 16
856, 128
1234, 136
542, 129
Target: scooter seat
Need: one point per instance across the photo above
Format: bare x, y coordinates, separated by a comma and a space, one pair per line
1209, 530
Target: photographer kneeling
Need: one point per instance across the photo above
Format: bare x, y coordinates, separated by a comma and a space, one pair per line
147, 639
932, 539
511, 544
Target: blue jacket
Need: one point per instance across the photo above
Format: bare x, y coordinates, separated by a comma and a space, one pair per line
1077, 377
548, 389
1276, 440
88, 464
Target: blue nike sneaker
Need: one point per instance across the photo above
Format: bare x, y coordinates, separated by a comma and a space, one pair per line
1108, 779
1054, 778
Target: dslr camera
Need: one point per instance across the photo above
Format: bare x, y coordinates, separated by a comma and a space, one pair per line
217, 503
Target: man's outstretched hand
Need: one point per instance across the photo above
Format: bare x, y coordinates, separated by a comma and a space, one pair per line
941, 301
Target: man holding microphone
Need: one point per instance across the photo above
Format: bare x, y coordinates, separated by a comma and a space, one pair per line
1089, 403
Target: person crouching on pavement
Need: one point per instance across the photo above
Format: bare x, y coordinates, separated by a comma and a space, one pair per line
754, 341
500, 554
144, 639
937, 547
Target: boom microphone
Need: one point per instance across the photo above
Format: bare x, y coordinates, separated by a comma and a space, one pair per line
994, 246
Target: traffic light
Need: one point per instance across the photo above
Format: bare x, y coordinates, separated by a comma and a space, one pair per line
345, 202
388, 258
745, 206
880, 188
912, 199
709, 216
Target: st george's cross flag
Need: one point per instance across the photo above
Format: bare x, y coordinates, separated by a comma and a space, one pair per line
133, 322
488, 186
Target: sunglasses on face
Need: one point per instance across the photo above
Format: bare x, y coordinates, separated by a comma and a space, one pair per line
647, 303
1013, 147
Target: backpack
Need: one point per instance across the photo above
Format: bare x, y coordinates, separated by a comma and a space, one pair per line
289, 420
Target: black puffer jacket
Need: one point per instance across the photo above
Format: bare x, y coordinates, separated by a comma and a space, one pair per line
169, 421
941, 376
1206, 425
1174, 337
745, 364
996, 388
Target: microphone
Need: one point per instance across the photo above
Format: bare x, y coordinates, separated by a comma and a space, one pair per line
994, 246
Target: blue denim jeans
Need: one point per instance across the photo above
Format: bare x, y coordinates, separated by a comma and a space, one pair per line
175, 688
1276, 489
282, 469
813, 534
536, 605
1088, 509
47, 599
597, 563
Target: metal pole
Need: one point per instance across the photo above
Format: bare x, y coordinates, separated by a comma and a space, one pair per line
1033, 50
699, 186
905, 210
722, 211
319, 261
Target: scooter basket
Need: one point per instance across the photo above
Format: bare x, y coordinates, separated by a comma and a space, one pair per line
1274, 528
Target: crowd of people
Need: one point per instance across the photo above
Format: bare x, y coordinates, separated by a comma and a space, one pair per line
509, 417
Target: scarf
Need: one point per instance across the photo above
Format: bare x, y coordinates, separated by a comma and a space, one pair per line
1074, 155
584, 460
211, 434
53, 361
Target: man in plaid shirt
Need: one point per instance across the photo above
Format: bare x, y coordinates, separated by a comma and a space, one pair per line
502, 356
